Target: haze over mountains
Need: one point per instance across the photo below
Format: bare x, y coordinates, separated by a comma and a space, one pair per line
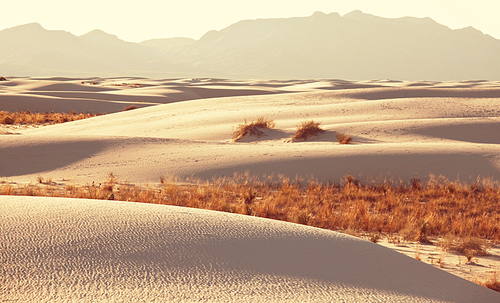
354, 46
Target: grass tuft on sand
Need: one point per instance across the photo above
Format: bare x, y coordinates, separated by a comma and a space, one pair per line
307, 129
344, 138
252, 128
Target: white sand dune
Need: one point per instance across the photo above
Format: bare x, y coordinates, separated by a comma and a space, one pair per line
104, 95
56, 249
400, 129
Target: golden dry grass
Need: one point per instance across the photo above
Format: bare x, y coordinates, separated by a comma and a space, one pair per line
28, 118
252, 129
307, 129
436, 209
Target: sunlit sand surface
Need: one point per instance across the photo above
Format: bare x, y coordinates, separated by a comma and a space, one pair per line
65, 249
56, 249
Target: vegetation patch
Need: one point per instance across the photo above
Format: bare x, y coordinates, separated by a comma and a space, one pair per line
29, 118
252, 129
429, 212
344, 138
307, 129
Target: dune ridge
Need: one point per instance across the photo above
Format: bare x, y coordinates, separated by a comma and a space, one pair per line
399, 130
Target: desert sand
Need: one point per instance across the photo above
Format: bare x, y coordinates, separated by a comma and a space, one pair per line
56, 249
182, 128
400, 129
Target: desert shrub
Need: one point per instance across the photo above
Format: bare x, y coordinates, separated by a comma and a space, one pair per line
343, 138
307, 129
470, 247
252, 129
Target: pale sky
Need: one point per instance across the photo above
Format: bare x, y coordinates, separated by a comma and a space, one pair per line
140, 20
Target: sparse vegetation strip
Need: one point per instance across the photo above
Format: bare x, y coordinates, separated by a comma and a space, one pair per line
459, 217
416, 212
29, 118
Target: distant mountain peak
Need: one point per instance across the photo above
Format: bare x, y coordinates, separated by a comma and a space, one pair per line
318, 13
29, 27
98, 34
355, 14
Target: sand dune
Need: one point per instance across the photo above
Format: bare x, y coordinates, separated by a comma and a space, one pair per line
57, 249
128, 251
111, 95
399, 130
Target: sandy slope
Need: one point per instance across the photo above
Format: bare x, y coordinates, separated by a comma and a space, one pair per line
55, 249
400, 129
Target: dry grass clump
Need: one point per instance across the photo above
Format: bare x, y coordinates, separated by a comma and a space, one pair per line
307, 129
252, 129
470, 247
343, 138
27, 117
6, 119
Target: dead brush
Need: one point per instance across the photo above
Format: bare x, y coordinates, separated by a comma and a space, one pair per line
344, 138
307, 129
252, 129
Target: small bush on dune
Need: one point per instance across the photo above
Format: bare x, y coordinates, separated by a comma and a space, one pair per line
343, 138
307, 129
252, 129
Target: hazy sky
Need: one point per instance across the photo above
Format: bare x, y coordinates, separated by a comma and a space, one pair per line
141, 20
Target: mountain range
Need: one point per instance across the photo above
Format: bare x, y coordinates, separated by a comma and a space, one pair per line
355, 46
